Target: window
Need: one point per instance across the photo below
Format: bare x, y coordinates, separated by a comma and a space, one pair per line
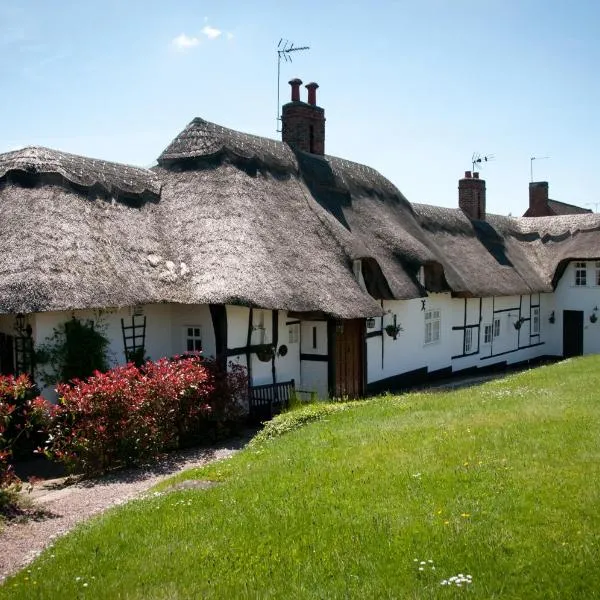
487, 334
535, 321
314, 336
580, 274
497, 327
293, 333
193, 339
468, 340
598, 272
433, 325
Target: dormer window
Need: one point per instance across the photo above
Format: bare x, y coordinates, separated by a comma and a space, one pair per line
431, 277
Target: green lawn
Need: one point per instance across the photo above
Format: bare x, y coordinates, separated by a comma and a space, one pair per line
500, 482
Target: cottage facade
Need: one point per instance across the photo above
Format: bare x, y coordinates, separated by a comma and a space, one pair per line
293, 263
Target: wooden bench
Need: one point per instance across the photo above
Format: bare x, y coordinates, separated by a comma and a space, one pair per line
265, 401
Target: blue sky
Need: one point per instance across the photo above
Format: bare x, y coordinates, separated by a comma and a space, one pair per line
411, 88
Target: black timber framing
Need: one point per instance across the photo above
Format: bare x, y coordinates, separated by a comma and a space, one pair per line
218, 314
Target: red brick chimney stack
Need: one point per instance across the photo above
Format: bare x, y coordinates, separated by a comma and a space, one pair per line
303, 123
538, 199
471, 196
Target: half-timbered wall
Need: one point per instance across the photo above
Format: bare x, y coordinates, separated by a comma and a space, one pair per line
463, 333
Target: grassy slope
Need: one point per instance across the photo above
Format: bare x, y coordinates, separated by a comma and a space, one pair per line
500, 482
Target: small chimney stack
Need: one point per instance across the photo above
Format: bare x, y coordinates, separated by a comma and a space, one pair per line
303, 123
296, 83
538, 199
471, 196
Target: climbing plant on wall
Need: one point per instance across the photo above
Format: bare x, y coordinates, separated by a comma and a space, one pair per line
75, 350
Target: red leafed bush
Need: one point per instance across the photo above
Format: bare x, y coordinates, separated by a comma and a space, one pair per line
131, 414
22, 417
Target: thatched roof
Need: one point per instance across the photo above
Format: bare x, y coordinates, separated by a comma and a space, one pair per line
114, 178
228, 217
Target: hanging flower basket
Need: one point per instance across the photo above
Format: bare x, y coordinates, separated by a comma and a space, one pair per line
393, 330
593, 317
265, 353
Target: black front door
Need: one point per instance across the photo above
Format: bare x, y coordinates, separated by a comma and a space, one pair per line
572, 333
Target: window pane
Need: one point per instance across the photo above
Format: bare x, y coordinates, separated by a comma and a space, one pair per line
190, 331
190, 345
197, 345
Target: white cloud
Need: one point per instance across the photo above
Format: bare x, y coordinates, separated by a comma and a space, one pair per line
184, 42
212, 33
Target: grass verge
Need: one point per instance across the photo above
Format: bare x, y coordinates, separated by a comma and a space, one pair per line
381, 499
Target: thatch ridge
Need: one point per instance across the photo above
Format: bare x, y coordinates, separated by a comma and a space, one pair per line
114, 178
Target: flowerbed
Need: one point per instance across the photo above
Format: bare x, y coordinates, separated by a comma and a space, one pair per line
130, 414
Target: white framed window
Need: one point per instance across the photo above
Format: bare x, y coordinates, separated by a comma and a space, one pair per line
497, 327
433, 326
580, 274
293, 333
535, 321
468, 340
597, 278
193, 338
487, 333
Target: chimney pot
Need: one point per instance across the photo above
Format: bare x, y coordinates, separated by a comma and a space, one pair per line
475, 175
467, 174
312, 92
295, 83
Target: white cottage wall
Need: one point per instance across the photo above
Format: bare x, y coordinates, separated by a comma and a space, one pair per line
585, 298
314, 374
184, 316
411, 352
286, 367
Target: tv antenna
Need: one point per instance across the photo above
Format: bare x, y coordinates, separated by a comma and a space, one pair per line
594, 204
285, 50
531, 164
478, 159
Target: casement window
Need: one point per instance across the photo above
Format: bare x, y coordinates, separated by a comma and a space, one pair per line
433, 326
597, 279
487, 334
497, 327
535, 321
294, 333
580, 274
468, 340
193, 338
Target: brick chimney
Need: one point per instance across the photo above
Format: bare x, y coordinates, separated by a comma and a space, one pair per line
303, 123
471, 196
538, 199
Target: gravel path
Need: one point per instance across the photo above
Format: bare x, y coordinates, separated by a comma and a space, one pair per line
68, 505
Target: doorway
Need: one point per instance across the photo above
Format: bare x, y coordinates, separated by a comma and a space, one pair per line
349, 358
572, 333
